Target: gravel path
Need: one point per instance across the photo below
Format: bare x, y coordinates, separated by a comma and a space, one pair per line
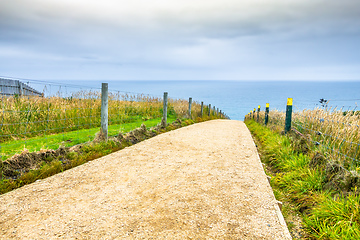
204, 181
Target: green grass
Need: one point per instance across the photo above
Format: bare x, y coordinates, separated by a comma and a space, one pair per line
69, 139
88, 152
24, 117
326, 214
335, 218
336, 133
54, 166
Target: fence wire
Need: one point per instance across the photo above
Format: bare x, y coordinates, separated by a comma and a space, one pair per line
66, 115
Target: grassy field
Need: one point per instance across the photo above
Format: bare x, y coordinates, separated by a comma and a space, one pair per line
23, 117
309, 190
334, 133
68, 139
34, 123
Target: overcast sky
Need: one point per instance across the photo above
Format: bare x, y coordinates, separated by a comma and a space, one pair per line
180, 39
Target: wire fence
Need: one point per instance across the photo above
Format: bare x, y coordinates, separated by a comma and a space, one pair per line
332, 130
66, 115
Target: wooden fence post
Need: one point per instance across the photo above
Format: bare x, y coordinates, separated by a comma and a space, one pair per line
164, 120
258, 113
267, 114
104, 110
288, 114
214, 110
209, 109
254, 113
190, 102
202, 109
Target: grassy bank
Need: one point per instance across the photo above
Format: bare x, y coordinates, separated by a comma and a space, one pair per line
309, 187
31, 166
68, 139
335, 132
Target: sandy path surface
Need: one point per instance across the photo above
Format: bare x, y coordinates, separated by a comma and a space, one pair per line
204, 181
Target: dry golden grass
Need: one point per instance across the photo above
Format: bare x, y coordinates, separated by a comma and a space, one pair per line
336, 132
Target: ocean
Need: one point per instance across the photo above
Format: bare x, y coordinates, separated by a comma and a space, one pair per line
237, 98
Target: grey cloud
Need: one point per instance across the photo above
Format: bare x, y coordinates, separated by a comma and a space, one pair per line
190, 35
295, 17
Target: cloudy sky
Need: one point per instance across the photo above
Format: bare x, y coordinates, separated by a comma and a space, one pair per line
180, 39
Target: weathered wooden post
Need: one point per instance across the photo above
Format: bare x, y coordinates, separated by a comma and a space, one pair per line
267, 114
202, 109
254, 113
214, 110
258, 113
164, 120
288, 114
209, 109
190, 102
104, 110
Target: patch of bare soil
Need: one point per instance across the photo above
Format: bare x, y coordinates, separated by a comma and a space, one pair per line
204, 181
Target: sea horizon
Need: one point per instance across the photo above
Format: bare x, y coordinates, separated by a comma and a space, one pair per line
235, 98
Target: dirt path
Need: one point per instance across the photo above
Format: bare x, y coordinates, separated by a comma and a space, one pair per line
204, 181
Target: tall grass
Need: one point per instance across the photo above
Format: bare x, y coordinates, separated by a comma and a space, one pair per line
25, 118
327, 214
334, 133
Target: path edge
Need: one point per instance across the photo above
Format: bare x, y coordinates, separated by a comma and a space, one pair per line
276, 206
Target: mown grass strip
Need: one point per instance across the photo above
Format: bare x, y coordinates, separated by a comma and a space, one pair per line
69, 139
326, 214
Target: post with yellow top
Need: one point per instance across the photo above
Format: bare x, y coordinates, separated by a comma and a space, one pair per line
267, 114
258, 113
288, 115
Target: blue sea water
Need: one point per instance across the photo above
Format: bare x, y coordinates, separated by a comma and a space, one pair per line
237, 98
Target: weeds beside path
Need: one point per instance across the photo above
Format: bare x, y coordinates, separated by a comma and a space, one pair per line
327, 201
201, 181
